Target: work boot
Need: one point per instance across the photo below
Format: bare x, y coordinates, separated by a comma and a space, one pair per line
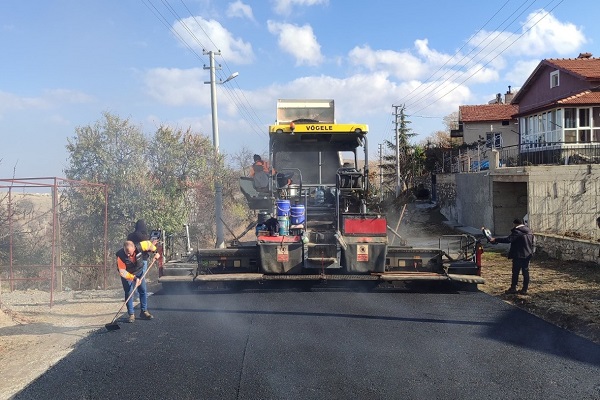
131, 318
523, 291
511, 290
145, 315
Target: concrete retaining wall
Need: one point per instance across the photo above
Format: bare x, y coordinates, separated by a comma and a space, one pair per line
474, 200
561, 201
446, 195
565, 248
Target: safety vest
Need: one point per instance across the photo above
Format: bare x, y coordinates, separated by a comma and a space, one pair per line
131, 267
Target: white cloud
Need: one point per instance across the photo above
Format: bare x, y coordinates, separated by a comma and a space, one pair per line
520, 71
194, 30
432, 56
299, 41
550, 35
184, 87
479, 73
403, 65
177, 87
50, 99
240, 10
284, 7
540, 34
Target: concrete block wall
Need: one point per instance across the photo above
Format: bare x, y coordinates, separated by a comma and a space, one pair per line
474, 202
446, 195
563, 200
566, 248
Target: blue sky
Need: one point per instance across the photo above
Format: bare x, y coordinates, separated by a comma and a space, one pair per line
65, 62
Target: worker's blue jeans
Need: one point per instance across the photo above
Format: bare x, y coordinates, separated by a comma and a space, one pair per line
520, 265
128, 287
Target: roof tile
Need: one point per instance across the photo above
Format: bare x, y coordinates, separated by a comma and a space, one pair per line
588, 68
487, 112
585, 97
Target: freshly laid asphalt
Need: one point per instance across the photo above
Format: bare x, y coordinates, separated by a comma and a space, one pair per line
327, 344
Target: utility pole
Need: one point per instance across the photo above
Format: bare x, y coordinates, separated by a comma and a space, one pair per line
220, 242
397, 134
381, 170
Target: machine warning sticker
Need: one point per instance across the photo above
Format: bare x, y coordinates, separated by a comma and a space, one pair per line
282, 254
362, 253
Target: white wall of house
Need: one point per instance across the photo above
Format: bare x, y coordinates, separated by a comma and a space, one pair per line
472, 131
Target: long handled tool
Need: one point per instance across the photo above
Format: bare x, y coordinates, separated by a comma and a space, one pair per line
113, 326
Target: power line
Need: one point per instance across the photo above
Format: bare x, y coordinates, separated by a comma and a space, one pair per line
408, 96
242, 104
496, 56
422, 94
245, 109
489, 39
163, 20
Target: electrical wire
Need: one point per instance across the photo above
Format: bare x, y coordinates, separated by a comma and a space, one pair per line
244, 106
163, 20
492, 59
422, 94
408, 96
240, 101
472, 60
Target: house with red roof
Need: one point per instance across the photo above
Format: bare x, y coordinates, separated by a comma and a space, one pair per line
559, 109
493, 123
549, 175
485, 127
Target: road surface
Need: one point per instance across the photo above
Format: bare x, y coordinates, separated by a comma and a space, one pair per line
328, 343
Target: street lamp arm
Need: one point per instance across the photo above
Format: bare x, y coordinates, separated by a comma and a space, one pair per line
232, 76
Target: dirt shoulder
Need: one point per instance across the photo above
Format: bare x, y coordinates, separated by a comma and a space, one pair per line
565, 293
35, 336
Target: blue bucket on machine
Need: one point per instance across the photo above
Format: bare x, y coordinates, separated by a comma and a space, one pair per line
284, 225
297, 214
283, 208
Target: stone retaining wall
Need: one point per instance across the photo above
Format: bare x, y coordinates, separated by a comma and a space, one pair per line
566, 248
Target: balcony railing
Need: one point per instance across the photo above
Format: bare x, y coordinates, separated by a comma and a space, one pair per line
551, 153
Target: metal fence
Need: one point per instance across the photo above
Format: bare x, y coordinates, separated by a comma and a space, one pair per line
553, 153
477, 158
31, 248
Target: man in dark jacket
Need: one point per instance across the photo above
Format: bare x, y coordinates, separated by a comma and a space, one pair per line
521, 250
139, 235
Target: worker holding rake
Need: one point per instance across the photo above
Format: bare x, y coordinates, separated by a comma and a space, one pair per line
131, 269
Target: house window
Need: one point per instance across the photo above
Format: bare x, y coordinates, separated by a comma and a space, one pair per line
493, 140
570, 125
596, 116
571, 136
584, 117
570, 118
554, 79
585, 135
596, 122
557, 136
